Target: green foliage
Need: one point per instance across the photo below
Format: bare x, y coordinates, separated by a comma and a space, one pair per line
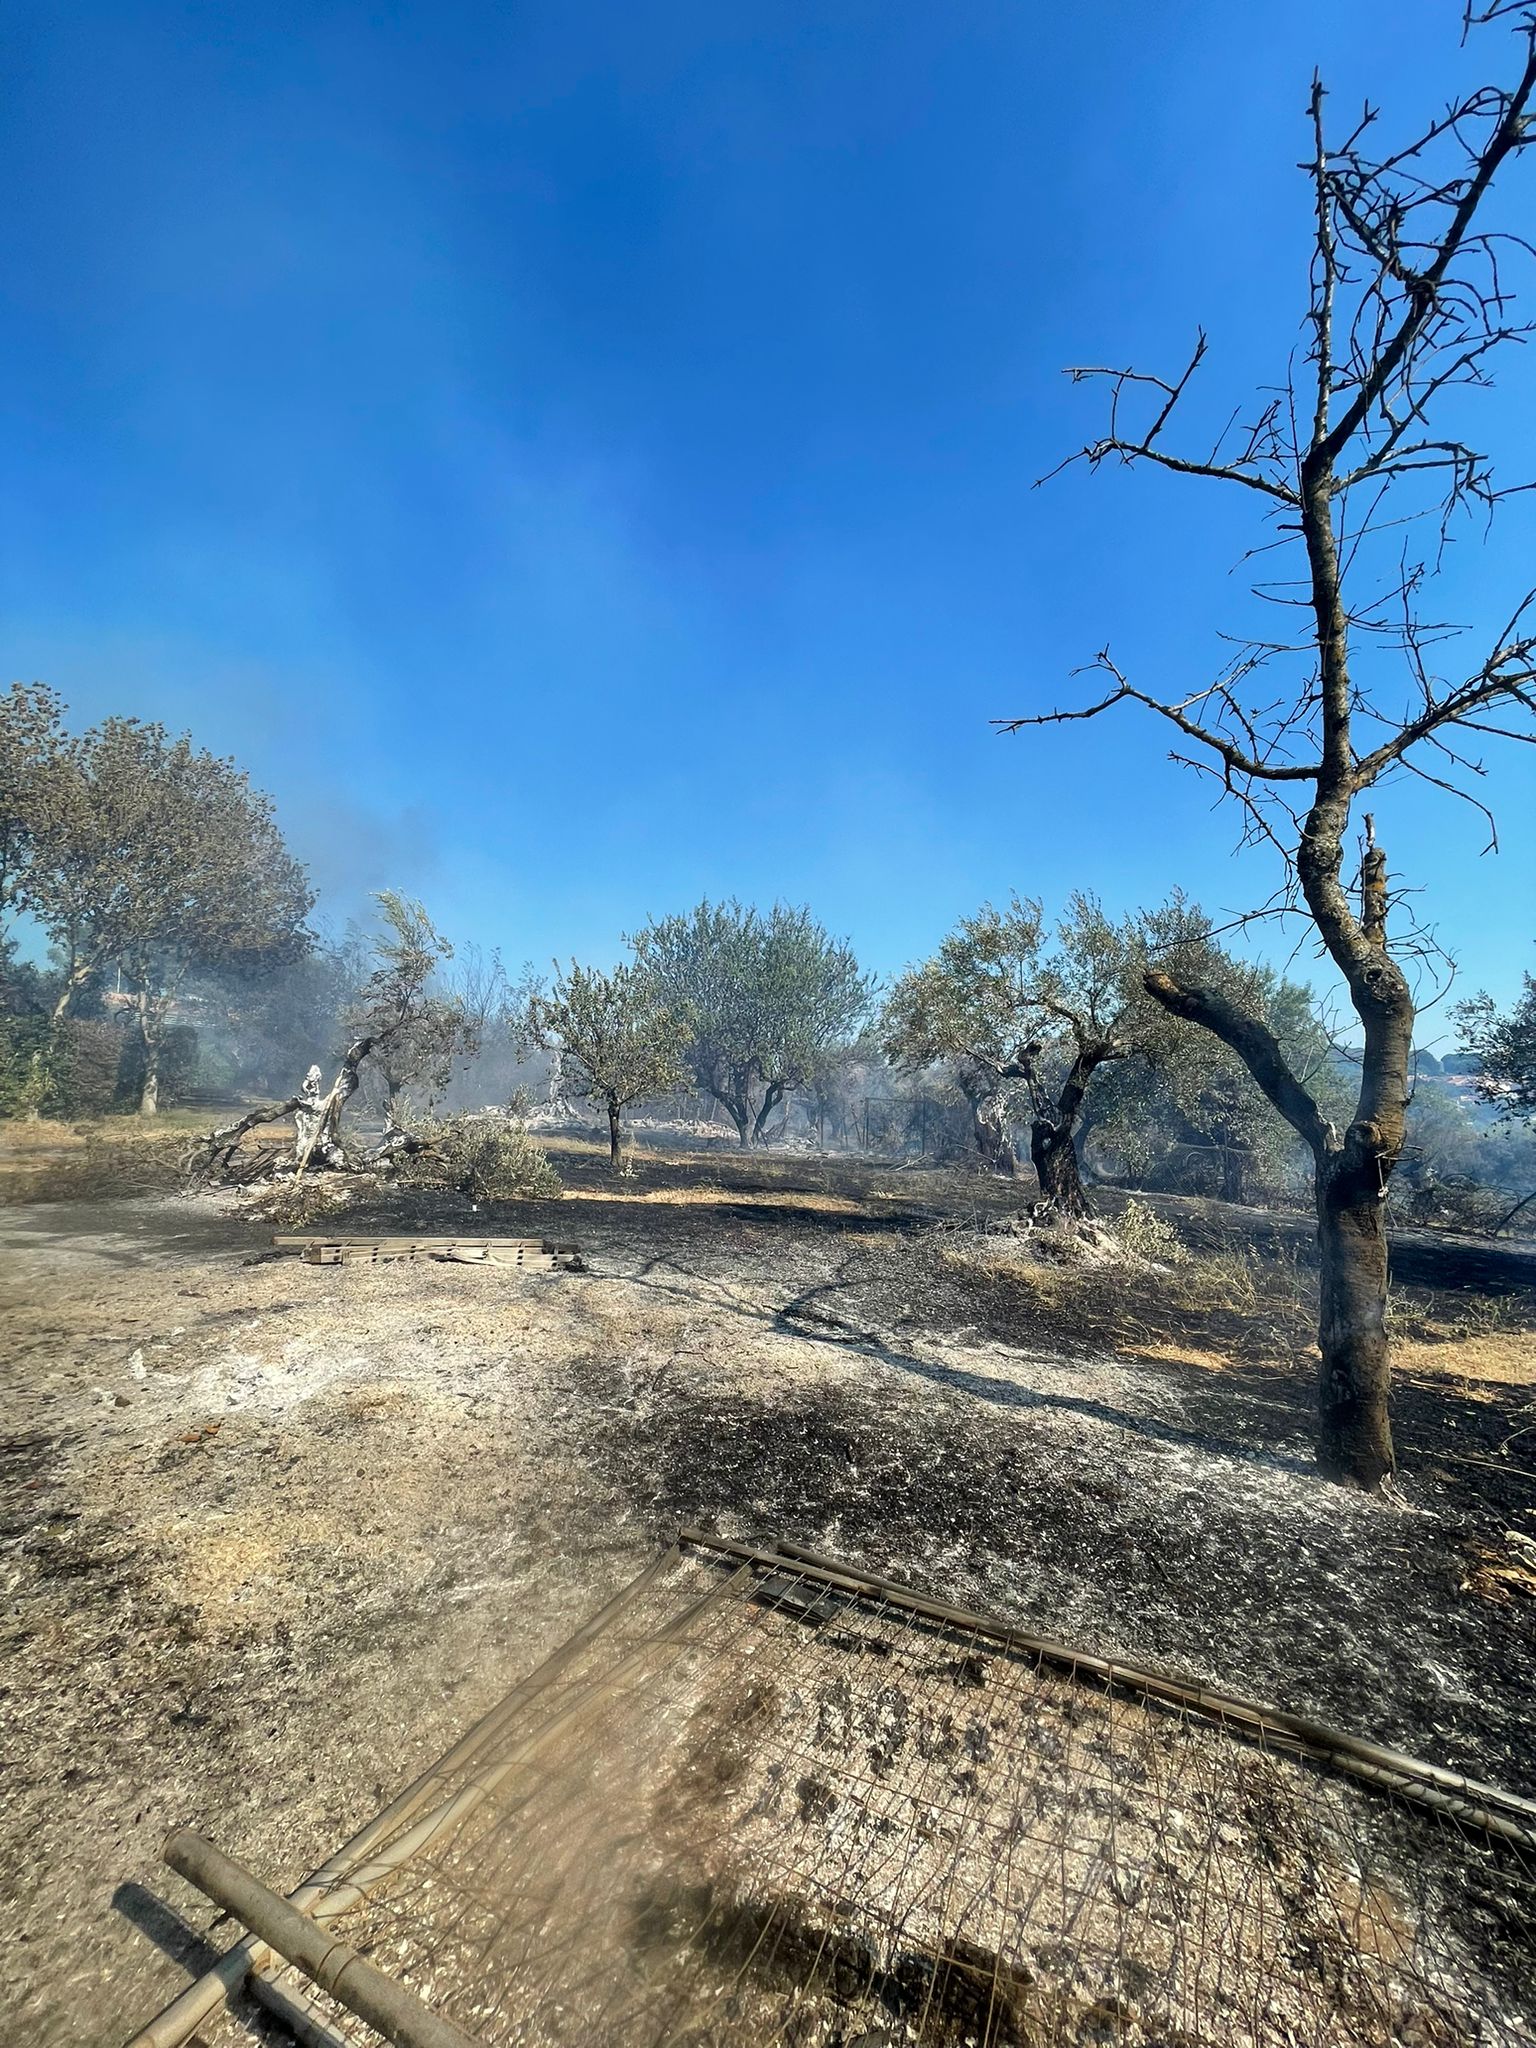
765, 999
146, 854
31, 747
487, 1158
414, 1033
1503, 1042
177, 1061
1009, 1004
974, 1001
26, 1078
1142, 1231
67, 1070
86, 1059
619, 1043
1460, 1168
1002, 978
1056, 1022
1190, 1117
160, 858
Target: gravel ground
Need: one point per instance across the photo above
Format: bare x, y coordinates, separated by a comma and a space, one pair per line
275, 1534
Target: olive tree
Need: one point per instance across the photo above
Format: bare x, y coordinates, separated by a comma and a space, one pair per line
413, 1029
967, 1009
1504, 1045
32, 745
766, 998
390, 1008
1408, 301
153, 856
1198, 1097
618, 1043
1024, 1015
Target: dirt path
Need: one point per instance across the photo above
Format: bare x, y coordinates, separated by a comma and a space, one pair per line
274, 1533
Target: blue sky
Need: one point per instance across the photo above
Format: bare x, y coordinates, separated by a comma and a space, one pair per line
580, 457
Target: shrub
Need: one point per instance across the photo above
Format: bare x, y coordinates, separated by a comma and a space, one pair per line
1145, 1233
296, 1204
87, 1055
64, 1070
178, 1065
488, 1158
26, 1068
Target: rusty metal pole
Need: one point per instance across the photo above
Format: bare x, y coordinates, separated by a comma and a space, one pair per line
397, 2013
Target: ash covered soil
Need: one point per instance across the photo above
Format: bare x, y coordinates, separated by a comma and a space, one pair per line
275, 1534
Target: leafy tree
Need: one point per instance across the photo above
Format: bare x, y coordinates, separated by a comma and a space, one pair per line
1409, 296
31, 746
1503, 1042
153, 856
618, 1043
1025, 1016
969, 1009
415, 1032
1198, 1094
765, 998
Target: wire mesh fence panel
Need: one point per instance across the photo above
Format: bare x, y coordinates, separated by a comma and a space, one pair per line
760, 1808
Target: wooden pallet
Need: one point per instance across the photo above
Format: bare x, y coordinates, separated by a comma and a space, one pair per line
528, 1254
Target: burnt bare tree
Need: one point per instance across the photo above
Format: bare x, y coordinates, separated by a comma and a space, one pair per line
1409, 304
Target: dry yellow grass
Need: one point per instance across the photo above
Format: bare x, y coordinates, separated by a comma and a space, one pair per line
715, 1197
23, 1135
40, 1134
1503, 1358
1183, 1354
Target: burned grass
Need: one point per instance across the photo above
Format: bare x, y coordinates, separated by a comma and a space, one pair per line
421, 1477
807, 1816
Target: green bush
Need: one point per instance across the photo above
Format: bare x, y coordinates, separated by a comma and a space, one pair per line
490, 1159
1149, 1236
26, 1080
178, 1065
87, 1057
64, 1070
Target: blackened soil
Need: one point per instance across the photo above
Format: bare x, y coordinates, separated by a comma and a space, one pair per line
1178, 1520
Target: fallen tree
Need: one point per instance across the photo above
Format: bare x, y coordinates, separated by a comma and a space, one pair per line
395, 1001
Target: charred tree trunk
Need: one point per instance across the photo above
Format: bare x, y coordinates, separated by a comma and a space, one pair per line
1396, 246
989, 1127
1354, 1377
737, 1108
613, 1132
149, 1038
1053, 1149
1350, 1182
1053, 1126
770, 1102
